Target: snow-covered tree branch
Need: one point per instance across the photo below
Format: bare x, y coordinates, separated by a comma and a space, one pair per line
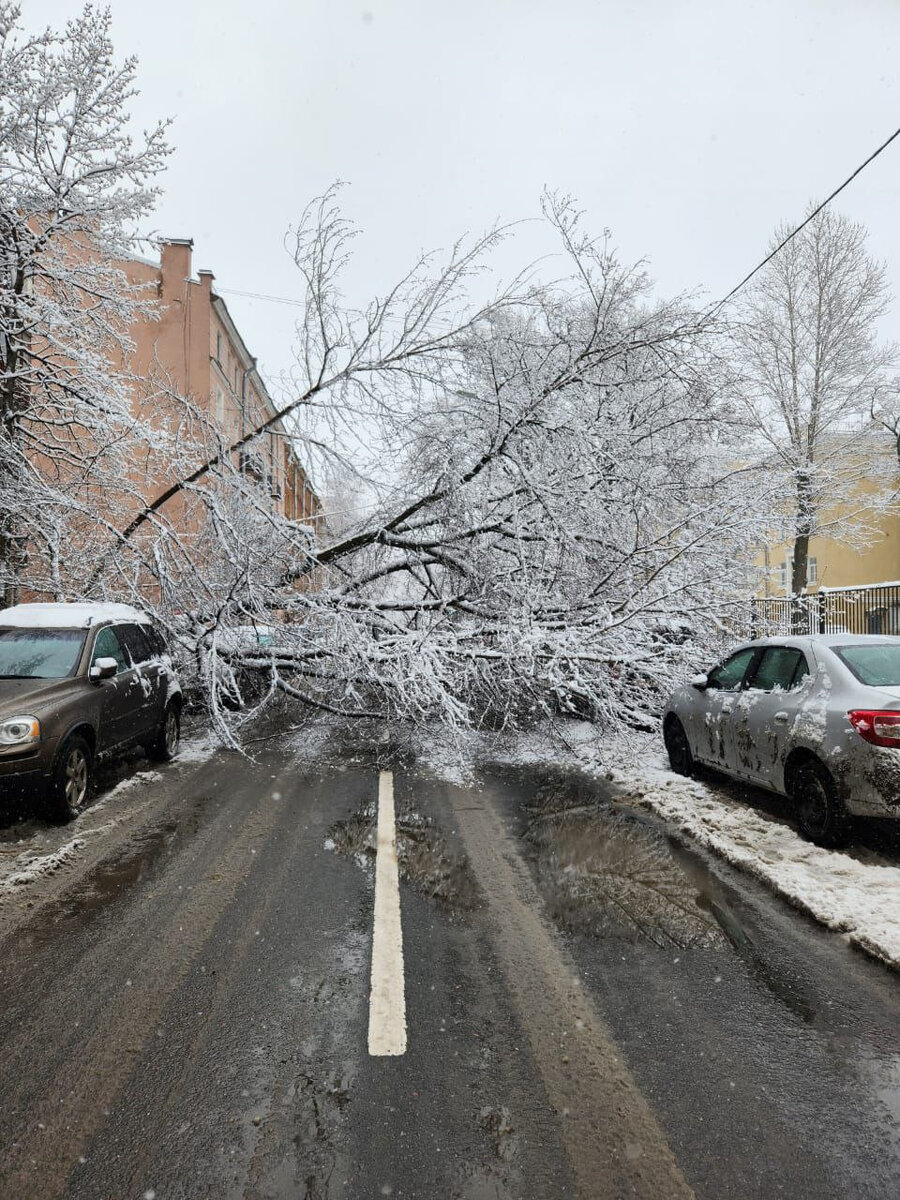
809, 366
549, 503
555, 508
74, 184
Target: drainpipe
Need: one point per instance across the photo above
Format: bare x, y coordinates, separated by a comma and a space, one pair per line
247, 371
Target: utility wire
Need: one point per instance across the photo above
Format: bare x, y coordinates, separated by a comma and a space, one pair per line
814, 213
261, 296
781, 245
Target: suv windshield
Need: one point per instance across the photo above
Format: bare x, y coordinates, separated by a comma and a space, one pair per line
875, 666
39, 653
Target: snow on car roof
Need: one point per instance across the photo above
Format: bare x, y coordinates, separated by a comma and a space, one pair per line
854, 639
819, 639
68, 616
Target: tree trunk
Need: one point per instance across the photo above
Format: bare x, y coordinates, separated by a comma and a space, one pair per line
799, 568
800, 565
10, 543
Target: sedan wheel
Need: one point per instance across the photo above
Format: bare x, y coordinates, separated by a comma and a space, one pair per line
820, 812
680, 758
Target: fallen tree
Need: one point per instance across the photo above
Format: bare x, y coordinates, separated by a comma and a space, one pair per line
554, 518
548, 514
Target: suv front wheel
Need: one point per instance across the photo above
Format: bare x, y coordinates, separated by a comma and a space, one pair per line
72, 777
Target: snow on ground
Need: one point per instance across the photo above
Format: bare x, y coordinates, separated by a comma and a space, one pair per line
197, 749
33, 863
859, 899
44, 864
139, 779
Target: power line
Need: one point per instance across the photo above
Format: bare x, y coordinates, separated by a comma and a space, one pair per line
781, 245
812, 215
261, 296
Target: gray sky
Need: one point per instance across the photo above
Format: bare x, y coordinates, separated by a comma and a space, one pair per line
688, 127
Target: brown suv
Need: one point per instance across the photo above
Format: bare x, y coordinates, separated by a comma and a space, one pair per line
77, 682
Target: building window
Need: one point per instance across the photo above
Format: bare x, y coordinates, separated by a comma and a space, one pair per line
786, 572
220, 406
218, 346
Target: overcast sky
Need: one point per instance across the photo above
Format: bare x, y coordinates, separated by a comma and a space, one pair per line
688, 127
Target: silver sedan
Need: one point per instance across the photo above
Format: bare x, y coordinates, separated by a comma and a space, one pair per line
814, 718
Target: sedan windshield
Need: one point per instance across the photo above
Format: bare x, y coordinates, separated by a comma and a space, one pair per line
39, 653
875, 666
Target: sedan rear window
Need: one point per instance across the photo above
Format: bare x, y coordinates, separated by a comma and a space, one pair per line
875, 666
39, 653
781, 667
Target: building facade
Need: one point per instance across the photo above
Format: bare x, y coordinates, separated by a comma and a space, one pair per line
197, 347
835, 564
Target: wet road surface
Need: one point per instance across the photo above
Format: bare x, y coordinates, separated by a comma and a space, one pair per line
592, 1010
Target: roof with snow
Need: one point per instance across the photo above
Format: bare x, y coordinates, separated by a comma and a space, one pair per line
67, 616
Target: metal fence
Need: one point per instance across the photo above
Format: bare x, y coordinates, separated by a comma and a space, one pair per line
874, 609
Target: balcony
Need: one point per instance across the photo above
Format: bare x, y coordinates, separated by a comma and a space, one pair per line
253, 464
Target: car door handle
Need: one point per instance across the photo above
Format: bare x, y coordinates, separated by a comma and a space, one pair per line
781, 717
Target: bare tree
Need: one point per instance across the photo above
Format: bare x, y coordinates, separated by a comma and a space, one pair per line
809, 363
553, 517
547, 509
74, 183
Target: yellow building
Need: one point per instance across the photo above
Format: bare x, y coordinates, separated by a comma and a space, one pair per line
866, 548
834, 564
853, 583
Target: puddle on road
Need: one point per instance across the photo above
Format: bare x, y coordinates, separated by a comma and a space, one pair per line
497, 1124
113, 878
883, 1074
498, 1175
606, 873
294, 1129
425, 859
779, 978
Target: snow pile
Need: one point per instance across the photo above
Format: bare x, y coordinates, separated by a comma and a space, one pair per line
861, 900
45, 864
311, 742
455, 755
195, 750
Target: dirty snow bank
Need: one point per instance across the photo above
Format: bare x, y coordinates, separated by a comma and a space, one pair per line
44, 864
860, 900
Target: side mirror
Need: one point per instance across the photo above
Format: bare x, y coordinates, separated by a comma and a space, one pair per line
700, 682
103, 668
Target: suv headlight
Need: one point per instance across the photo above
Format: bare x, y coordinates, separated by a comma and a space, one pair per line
19, 731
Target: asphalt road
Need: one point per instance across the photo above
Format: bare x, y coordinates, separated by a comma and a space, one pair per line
590, 1011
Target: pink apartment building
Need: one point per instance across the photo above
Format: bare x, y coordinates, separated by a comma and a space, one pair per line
196, 343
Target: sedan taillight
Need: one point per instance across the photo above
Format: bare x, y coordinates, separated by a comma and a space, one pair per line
879, 728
